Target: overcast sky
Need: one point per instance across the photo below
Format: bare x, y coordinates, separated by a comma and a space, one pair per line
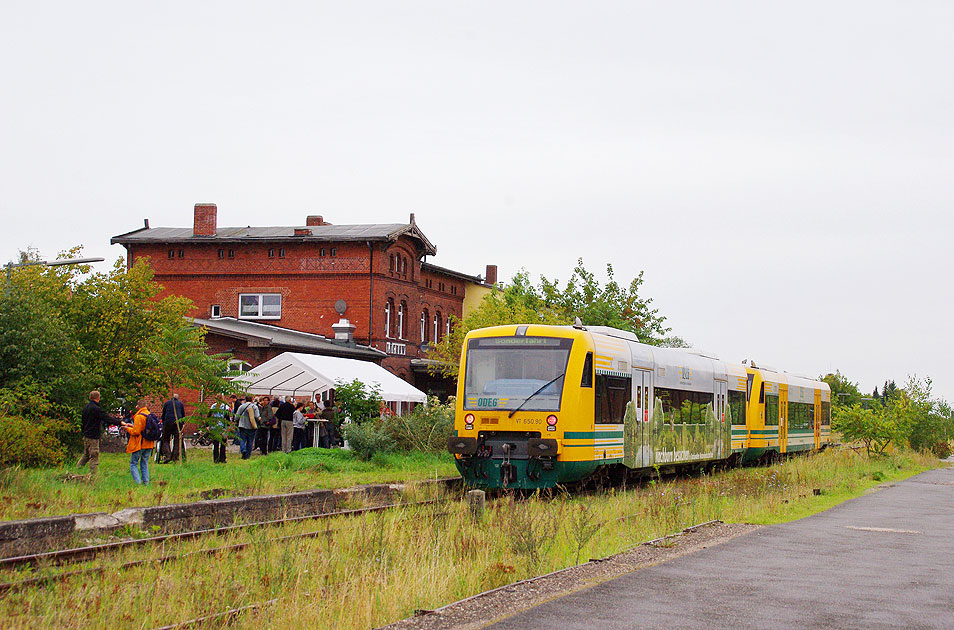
782, 172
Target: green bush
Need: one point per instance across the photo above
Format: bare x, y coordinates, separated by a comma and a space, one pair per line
424, 429
367, 439
29, 443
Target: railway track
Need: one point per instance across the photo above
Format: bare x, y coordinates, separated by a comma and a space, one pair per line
84, 554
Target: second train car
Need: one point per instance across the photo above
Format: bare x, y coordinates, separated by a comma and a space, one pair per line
539, 406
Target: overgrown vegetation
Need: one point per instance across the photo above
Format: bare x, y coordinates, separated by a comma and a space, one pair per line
368, 571
907, 416
425, 429
27, 493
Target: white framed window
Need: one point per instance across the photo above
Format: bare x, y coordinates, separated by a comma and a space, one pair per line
400, 322
387, 319
447, 326
215, 310
437, 327
260, 306
237, 365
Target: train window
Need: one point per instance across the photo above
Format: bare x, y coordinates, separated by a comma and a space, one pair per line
587, 380
612, 394
826, 413
762, 393
737, 407
684, 407
771, 411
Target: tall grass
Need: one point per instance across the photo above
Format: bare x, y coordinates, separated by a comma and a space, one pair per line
368, 571
27, 493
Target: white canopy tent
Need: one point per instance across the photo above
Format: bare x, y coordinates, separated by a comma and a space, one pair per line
295, 374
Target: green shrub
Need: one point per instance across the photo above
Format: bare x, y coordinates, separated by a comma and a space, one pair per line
29, 443
367, 439
424, 429
357, 401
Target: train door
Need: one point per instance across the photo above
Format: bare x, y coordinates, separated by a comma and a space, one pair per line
783, 418
722, 440
817, 419
643, 414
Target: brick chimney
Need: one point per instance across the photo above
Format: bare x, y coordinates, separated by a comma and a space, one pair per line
314, 219
205, 217
491, 276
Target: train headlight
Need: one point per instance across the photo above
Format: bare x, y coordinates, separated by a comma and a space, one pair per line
552, 420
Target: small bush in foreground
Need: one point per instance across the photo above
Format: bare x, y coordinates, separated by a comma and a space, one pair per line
367, 439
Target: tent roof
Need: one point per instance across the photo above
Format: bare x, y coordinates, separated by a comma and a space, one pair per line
295, 374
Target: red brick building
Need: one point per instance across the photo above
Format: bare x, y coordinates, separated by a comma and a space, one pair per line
308, 277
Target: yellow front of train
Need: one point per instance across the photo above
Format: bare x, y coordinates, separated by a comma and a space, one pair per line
524, 398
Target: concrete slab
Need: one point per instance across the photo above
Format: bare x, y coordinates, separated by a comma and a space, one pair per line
883, 560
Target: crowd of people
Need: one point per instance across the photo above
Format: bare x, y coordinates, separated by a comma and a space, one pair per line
263, 423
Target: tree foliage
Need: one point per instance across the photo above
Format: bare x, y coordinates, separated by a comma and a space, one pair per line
65, 331
909, 416
72, 331
584, 296
357, 401
844, 393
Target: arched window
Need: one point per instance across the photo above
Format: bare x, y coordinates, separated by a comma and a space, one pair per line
387, 319
391, 259
425, 322
400, 320
447, 326
437, 327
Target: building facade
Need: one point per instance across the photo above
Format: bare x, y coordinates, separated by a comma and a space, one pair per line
309, 278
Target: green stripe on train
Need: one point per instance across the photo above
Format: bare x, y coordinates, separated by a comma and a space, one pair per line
591, 435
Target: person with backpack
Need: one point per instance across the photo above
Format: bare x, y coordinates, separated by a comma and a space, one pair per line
247, 417
143, 432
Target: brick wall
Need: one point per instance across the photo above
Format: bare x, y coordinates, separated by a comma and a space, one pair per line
311, 280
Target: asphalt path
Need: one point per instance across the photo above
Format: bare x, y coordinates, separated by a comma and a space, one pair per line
883, 560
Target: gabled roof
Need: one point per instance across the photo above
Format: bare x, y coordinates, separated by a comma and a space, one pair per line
454, 274
264, 335
319, 233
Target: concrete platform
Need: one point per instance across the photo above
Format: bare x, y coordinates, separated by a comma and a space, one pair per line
883, 560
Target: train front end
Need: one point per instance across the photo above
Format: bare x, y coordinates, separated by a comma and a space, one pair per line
518, 398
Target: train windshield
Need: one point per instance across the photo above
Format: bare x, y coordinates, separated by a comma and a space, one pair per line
505, 372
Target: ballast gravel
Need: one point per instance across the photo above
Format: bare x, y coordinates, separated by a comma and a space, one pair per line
485, 608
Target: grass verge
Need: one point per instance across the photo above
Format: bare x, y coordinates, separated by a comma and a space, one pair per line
369, 571
28, 493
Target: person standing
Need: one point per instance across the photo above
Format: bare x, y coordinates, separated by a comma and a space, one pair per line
275, 431
172, 412
220, 413
298, 422
267, 415
93, 419
138, 446
248, 416
285, 413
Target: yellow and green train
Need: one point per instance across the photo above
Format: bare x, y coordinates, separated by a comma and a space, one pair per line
539, 406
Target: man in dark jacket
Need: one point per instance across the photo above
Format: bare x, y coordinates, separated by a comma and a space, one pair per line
284, 414
173, 411
93, 419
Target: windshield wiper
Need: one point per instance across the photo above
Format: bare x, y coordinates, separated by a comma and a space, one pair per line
542, 387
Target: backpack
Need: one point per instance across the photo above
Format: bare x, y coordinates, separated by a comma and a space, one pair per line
153, 429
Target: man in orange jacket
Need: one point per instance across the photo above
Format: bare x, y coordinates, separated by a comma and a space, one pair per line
140, 447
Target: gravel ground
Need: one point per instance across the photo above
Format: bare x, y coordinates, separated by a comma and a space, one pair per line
483, 609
